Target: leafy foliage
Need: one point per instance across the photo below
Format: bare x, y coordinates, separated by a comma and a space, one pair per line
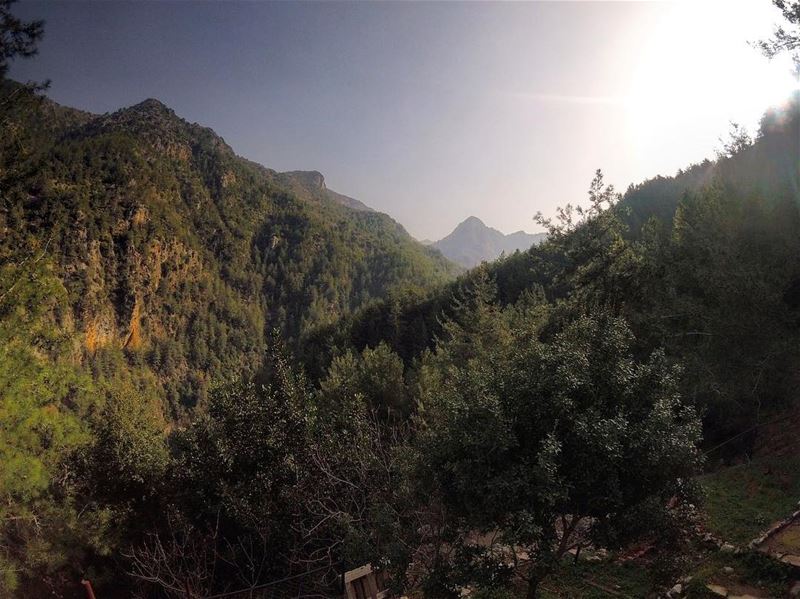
530, 431
786, 38
17, 38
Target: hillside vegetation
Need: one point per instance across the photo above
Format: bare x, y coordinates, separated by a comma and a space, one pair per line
703, 264
178, 253
143, 264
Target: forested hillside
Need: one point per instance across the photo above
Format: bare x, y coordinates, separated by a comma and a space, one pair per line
158, 433
176, 252
705, 264
143, 264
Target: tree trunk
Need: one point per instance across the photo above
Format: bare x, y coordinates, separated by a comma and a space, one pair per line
533, 589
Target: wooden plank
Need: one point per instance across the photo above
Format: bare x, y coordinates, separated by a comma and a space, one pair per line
365, 583
372, 585
357, 573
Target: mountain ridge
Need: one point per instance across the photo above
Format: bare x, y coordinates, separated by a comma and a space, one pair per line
315, 181
168, 243
473, 242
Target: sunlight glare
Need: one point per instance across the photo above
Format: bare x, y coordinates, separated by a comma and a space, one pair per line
697, 73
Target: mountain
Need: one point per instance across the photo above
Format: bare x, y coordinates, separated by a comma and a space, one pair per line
303, 182
472, 242
177, 256
144, 267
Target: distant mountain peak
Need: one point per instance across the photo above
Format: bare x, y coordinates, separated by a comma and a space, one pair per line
472, 221
473, 242
150, 113
150, 106
313, 179
156, 123
152, 103
312, 183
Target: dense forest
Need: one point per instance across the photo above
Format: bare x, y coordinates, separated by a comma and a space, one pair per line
141, 258
214, 375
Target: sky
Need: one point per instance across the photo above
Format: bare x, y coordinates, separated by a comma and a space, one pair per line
430, 112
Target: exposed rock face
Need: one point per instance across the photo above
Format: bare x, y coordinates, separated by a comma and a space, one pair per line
313, 183
313, 179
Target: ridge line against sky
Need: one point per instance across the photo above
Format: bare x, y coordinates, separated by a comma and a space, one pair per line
431, 112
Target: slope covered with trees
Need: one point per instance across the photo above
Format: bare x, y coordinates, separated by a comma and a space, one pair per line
548, 400
181, 254
142, 264
703, 264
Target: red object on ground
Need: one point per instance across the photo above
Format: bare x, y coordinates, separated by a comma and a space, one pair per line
89, 590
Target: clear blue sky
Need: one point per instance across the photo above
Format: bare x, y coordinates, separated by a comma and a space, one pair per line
430, 112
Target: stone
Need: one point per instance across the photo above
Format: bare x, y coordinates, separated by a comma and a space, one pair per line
791, 559
718, 590
727, 548
675, 591
727, 570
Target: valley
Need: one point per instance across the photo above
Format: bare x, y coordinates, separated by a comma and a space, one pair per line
223, 379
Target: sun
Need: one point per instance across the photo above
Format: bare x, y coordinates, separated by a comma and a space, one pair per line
696, 73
